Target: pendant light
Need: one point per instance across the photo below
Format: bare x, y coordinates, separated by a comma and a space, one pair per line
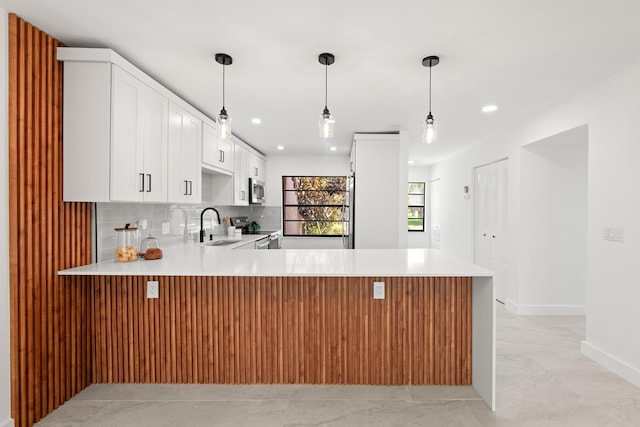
326, 119
429, 131
223, 120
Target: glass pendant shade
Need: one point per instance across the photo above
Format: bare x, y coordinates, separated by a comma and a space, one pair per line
224, 124
326, 124
429, 130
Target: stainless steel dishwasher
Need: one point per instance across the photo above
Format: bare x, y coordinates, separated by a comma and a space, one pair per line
263, 243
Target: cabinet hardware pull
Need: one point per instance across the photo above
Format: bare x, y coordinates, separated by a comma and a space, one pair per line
221, 156
242, 195
149, 189
485, 234
191, 188
186, 187
256, 173
141, 182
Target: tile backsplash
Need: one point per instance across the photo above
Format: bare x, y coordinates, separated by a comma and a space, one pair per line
181, 222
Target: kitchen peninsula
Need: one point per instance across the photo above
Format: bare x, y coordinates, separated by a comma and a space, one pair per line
293, 317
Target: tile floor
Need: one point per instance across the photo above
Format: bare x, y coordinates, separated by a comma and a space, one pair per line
543, 380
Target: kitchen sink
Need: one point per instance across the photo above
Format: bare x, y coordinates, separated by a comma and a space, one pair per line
221, 243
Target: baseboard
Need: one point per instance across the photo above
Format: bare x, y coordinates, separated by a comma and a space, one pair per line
546, 310
7, 423
616, 366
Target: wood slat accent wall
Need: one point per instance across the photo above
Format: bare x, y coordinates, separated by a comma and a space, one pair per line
50, 329
282, 330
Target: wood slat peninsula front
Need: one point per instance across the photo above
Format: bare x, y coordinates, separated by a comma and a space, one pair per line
293, 317
282, 330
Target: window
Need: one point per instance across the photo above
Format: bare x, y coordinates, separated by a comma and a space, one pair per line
416, 206
313, 205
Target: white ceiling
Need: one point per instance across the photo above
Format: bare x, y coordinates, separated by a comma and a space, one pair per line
522, 55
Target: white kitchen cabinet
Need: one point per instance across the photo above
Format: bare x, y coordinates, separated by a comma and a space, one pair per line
114, 131
138, 142
217, 153
122, 145
183, 172
241, 176
248, 163
257, 166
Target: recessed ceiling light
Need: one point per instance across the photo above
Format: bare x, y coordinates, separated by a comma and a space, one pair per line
333, 148
256, 121
411, 162
489, 108
280, 147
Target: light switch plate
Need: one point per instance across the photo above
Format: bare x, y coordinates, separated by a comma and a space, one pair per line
378, 290
153, 289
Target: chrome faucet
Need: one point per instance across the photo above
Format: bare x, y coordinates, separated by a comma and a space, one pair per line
202, 222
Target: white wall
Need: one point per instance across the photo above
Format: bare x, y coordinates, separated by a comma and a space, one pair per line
553, 220
610, 109
420, 239
5, 367
301, 165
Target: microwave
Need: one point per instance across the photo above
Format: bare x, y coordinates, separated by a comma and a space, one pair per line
256, 192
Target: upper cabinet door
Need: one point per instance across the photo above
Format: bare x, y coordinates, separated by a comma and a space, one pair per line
138, 141
240, 176
154, 114
127, 170
191, 157
226, 149
216, 152
257, 167
210, 153
184, 156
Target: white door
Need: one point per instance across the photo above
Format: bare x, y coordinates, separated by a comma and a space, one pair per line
491, 220
482, 232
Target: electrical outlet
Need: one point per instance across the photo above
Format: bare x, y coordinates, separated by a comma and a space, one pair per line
166, 228
378, 290
153, 289
614, 234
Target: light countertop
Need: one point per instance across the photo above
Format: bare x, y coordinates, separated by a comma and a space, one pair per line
192, 259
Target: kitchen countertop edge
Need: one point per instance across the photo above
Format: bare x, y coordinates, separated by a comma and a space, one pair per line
198, 260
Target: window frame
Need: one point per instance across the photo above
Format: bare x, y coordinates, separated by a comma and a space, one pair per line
423, 206
345, 205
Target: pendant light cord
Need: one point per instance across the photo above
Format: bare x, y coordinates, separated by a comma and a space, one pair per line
326, 66
223, 68
430, 67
